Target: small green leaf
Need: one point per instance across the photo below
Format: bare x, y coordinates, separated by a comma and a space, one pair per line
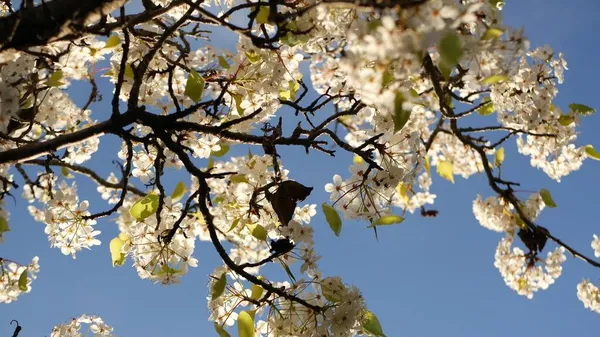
145, 207
245, 325
65, 172
238, 104
486, 109
4, 225
28, 103
23, 281
117, 256
129, 71
387, 220
591, 152
220, 331
257, 292
387, 78
179, 191
492, 33
400, 115
581, 109
566, 120
371, 325
333, 218
112, 42
262, 16
450, 49
446, 170
223, 62
547, 198
55, 79
238, 178
494, 79
259, 232
499, 158
211, 163
194, 86
253, 57
223, 151
218, 287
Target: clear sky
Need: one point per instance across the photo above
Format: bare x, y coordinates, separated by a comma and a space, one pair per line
425, 277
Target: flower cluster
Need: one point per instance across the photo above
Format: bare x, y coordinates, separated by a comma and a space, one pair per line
16, 279
81, 325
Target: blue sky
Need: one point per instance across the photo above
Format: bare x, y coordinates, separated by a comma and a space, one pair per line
425, 277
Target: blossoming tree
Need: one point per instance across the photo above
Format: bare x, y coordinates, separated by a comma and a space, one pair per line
410, 88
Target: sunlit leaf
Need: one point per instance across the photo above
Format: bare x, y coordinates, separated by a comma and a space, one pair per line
238, 178
234, 224
450, 49
179, 191
581, 109
220, 331
446, 170
129, 71
494, 79
591, 152
144, 207
400, 115
387, 78
259, 232
333, 218
23, 281
486, 109
262, 16
238, 104
222, 151
427, 166
547, 198
116, 254
4, 225
256, 292
194, 86
492, 33
499, 158
357, 159
566, 120
402, 190
223, 62
112, 42
245, 325
253, 57
55, 79
218, 287
371, 325
387, 220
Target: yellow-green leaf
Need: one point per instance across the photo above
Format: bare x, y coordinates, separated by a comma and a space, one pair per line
400, 115
145, 207
494, 79
253, 57
371, 325
427, 166
223, 62
262, 16
486, 109
591, 152
259, 232
566, 120
450, 49
402, 190
4, 225
257, 292
129, 71
357, 159
492, 33
387, 78
218, 287
333, 218
499, 158
55, 79
117, 256
446, 170
238, 104
23, 281
194, 86
220, 331
112, 41
387, 220
245, 325
547, 198
223, 151
238, 178
581, 109
179, 191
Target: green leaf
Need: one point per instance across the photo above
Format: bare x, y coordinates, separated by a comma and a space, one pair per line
55, 79
494, 79
117, 257
446, 170
450, 49
234, 224
223, 62
238, 178
262, 16
218, 287
223, 151
259, 232
371, 325
400, 115
194, 86
387, 220
499, 158
4, 225
492, 33
591, 152
290, 93
566, 120
129, 71
179, 191
387, 78
257, 292
220, 331
547, 198
145, 207
23, 281
211, 163
65, 172
253, 57
581, 109
112, 42
28, 103
486, 109
245, 325
333, 218
238, 104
